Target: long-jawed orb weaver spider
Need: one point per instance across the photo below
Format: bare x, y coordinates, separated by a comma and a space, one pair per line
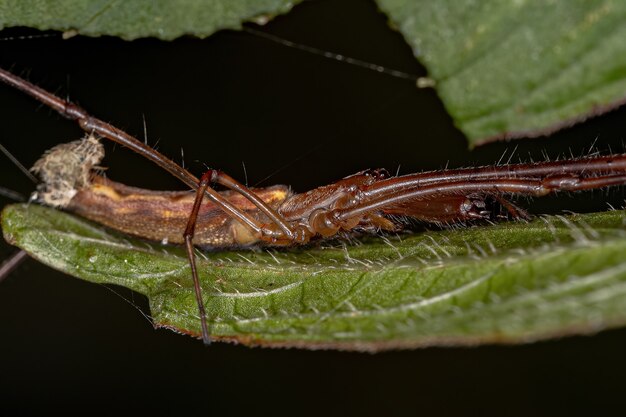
370, 200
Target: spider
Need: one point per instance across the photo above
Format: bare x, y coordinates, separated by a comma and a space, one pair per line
240, 216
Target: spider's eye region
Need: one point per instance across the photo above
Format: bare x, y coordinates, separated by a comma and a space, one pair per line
379, 174
472, 204
475, 208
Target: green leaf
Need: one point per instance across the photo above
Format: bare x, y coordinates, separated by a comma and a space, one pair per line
131, 19
509, 283
516, 68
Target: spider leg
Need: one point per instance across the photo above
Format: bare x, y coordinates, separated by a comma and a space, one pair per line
11, 263
596, 165
513, 210
188, 236
404, 197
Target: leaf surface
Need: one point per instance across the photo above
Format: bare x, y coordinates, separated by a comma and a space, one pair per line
517, 68
131, 19
509, 283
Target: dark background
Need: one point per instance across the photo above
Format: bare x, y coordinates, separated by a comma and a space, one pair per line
305, 121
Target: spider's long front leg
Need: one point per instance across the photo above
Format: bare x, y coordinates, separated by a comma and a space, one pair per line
537, 187
585, 166
439, 195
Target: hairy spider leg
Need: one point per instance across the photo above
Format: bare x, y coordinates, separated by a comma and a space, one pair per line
516, 186
582, 166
